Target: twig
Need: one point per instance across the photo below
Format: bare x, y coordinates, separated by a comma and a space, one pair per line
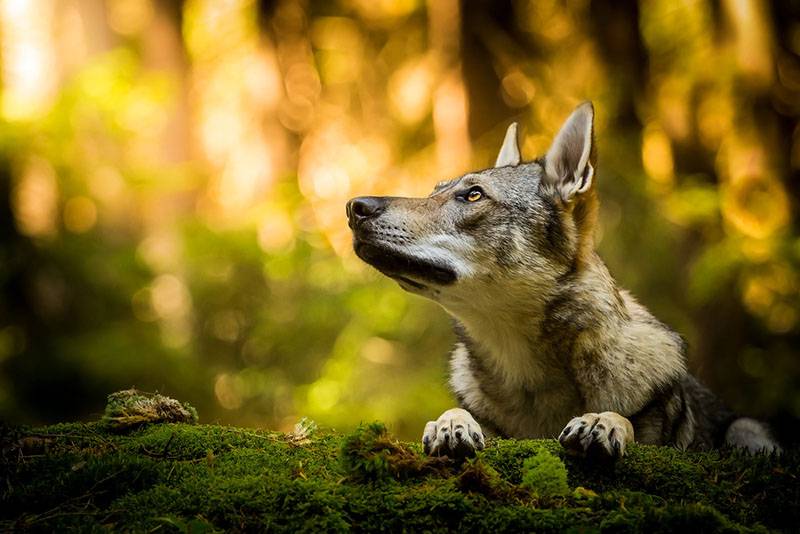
166, 447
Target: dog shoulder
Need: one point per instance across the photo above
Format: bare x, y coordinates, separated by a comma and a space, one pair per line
621, 363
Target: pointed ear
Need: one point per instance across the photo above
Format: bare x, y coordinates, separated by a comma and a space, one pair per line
569, 163
509, 152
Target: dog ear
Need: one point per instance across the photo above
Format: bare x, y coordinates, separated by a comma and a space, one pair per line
509, 152
570, 161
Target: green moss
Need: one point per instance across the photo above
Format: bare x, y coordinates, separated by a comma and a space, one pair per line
370, 453
477, 476
202, 478
132, 408
545, 475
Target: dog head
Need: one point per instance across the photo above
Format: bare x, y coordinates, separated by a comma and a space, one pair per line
516, 227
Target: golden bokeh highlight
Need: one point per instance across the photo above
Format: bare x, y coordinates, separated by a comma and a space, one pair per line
768, 292
410, 90
226, 391
29, 65
129, 17
34, 199
657, 156
80, 214
753, 200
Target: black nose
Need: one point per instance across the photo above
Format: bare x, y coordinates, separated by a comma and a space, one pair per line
361, 208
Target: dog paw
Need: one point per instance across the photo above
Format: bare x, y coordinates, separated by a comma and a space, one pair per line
597, 435
455, 434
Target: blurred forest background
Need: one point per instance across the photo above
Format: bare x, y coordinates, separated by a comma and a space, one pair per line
173, 178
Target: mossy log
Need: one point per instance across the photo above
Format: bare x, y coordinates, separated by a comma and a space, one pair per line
192, 478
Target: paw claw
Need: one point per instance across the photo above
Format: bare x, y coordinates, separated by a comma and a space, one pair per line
600, 436
455, 434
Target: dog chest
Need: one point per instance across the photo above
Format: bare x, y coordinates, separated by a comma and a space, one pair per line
516, 408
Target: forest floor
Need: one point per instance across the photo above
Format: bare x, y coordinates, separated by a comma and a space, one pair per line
203, 478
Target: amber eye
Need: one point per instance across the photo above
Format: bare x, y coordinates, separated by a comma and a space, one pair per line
474, 195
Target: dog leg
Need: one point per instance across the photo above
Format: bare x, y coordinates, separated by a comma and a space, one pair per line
455, 434
604, 435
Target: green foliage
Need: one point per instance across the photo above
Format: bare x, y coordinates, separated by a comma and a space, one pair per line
202, 478
545, 475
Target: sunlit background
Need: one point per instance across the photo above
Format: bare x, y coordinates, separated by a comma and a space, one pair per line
173, 178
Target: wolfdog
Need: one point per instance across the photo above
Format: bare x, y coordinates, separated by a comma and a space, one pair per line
548, 344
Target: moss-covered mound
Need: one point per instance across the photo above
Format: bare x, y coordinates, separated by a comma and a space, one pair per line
197, 478
131, 408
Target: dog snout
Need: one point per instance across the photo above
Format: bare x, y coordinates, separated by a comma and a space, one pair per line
362, 208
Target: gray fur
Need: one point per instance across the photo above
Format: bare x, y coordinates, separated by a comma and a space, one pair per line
544, 333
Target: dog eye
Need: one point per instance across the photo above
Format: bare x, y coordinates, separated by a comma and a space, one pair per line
474, 194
